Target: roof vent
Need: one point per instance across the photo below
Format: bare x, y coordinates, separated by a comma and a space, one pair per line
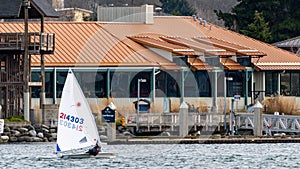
200, 21
158, 9
204, 23
195, 18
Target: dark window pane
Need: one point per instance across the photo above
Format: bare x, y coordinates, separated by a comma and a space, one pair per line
285, 85
295, 85
120, 84
271, 83
60, 81
144, 86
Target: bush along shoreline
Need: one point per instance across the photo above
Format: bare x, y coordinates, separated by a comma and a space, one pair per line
25, 132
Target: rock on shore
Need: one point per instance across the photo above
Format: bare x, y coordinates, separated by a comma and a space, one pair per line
24, 132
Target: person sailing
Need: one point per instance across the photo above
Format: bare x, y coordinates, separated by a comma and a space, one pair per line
94, 150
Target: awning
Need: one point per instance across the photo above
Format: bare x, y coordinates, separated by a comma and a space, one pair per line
238, 49
176, 49
201, 47
197, 64
230, 64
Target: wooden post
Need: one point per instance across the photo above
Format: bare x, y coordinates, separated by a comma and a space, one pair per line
257, 119
26, 63
183, 120
42, 94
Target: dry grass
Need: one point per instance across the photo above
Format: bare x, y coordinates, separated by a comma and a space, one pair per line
286, 105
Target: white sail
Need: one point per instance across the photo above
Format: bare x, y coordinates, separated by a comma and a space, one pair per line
76, 124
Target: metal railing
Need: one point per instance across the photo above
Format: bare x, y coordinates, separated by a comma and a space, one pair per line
277, 123
209, 121
161, 121
38, 42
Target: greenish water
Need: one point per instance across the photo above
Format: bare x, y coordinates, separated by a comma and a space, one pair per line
41, 155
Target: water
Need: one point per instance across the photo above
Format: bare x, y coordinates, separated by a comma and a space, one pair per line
40, 155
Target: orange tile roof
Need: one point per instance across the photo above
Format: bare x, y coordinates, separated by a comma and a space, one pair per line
87, 44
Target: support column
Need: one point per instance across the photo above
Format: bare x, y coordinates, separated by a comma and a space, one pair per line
55, 86
26, 63
152, 85
182, 86
278, 84
111, 127
42, 94
215, 91
108, 83
257, 119
183, 120
246, 89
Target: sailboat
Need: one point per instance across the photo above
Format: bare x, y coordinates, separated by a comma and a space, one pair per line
77, 130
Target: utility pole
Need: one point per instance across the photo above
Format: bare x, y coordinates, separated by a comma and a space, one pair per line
26, 5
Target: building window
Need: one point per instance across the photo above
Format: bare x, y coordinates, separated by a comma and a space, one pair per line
203, 82
36, 77
60, 82
144, 86
190, 85
289, 84
236, 85
35, 90
285, 84
271, 83
172, 84
100, 85
244, 61
295, 85
49, 87
160, 84
120, 84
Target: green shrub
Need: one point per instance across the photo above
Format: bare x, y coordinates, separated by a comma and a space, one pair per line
14, 119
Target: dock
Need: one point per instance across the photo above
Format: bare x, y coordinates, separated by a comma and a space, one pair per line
208, 140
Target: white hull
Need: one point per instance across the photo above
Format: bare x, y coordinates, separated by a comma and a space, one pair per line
86, 155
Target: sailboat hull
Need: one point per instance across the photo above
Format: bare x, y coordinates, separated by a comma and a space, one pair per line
86, 155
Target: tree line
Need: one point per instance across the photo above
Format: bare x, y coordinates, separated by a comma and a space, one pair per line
266, 20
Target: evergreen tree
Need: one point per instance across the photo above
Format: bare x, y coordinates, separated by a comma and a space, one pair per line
259, 29
177, 7
283, 17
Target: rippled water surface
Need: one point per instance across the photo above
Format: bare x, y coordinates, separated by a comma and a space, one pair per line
40, 155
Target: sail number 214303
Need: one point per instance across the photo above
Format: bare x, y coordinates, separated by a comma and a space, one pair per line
71, 121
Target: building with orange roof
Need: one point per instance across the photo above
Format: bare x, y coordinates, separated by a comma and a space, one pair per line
182, 59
